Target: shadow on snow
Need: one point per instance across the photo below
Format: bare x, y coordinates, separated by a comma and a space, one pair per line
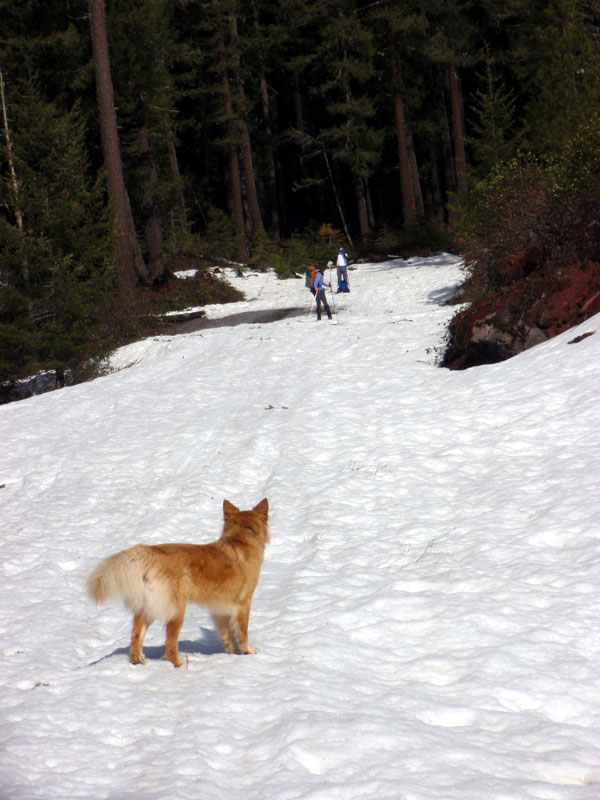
208, 645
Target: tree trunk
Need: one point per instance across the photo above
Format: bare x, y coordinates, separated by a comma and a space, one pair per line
279, 189
132, 267
408, 200
251, 193
235, 185
458, 129
271, 176
298, 106
415, 180
271, 167
448, 161
13, 181
370, 211
337, 199
14, 184
361, 202
179, 220
435, 189
153, 233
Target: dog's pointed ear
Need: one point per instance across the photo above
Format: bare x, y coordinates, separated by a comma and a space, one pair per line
262, 508
229, 509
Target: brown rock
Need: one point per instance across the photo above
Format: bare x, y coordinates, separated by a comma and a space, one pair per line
528, 311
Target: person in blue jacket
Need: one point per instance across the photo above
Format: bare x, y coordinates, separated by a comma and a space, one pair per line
342, 272
319, 285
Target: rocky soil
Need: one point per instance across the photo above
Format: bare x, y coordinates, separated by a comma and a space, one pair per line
537, 305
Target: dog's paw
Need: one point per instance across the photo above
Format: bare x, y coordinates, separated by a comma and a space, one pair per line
137, 658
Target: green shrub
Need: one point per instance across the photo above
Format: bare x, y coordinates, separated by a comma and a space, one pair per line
528, 215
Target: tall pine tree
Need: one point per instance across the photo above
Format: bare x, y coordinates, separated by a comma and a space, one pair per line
565, 87
55, 263
494, 138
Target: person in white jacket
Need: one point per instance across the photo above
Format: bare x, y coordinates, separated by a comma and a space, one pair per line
342, 272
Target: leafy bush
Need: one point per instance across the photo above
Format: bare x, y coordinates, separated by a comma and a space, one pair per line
421, 237
219, 238
503, 216
576, 174
317, 245
266, 255
528, 215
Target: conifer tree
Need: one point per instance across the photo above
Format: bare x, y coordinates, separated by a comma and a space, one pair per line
409, 209
494, 137
565, 87
232, 135
450, 51
244, 133
142, 59
401, 27
349, 131
55, 263
132, 267
12, 182
267, 103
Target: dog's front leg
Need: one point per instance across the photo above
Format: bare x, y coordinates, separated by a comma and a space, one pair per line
171, 648
242, 619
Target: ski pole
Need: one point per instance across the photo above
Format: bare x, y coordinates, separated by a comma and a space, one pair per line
331, 290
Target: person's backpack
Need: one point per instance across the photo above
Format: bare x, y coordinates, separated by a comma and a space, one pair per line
311, 273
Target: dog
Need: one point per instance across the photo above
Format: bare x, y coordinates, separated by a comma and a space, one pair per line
157, 581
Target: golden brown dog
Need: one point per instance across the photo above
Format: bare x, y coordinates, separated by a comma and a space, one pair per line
157, 581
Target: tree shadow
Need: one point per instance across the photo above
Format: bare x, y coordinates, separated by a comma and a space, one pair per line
443, 296
241, 318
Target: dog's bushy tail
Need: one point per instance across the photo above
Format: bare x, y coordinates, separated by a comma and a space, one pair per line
119, 576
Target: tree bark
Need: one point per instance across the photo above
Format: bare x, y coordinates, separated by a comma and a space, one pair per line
408, 200
13, 180
14, 183
132, 268
298, 105
361, 203
246, 146
445, 145
415, 179
271, 176
179, 220
337, 199
458, 129
237, 205
153, 233
435, 189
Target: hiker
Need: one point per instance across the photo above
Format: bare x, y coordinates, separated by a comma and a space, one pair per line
319, 286
342, 272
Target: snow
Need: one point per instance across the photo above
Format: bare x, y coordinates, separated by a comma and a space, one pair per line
427, 613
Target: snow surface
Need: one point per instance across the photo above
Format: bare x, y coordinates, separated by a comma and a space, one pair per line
428, 610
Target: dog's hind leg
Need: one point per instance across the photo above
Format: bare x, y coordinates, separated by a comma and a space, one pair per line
171, 649
223, 624
141, 623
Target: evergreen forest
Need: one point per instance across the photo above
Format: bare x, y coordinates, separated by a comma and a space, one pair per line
142, 137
